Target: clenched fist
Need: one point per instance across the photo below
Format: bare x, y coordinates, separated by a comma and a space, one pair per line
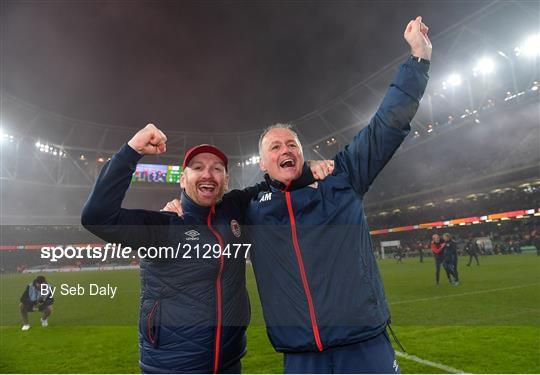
416, 35
149, 141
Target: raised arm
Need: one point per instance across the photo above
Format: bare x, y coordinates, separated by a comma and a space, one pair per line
102, 214
374, 145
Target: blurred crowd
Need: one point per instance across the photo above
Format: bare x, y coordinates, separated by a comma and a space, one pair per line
478, 204
502, 237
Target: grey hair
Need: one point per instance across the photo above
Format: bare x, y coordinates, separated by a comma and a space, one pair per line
279, 125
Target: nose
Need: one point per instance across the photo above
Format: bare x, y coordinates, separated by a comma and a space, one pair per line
206, 173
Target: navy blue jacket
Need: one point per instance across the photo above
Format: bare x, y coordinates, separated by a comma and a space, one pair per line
193, 312
313, 258
450, 251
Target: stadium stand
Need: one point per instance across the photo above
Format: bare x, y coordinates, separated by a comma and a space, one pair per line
467, 155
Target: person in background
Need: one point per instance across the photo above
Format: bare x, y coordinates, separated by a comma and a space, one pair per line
437, 247
536, 241
450, 259
472, 249
399, 254
36, 297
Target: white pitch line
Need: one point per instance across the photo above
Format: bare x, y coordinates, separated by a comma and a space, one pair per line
440, 366
463, 294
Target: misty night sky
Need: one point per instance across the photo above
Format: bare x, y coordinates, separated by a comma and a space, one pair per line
202, 66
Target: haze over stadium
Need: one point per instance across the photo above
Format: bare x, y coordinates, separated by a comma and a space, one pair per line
79, 79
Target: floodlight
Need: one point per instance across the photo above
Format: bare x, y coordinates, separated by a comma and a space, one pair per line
484, 66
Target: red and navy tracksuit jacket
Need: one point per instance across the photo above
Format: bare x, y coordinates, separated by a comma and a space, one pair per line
193, 311
438, 250
312, 254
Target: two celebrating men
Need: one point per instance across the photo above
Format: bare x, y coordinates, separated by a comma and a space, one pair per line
322, 296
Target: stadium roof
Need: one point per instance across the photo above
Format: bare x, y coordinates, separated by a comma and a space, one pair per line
321, 66
225, 67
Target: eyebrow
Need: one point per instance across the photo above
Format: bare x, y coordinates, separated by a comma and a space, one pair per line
201, 163
279, 141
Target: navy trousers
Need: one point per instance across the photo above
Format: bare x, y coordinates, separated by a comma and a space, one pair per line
372, 356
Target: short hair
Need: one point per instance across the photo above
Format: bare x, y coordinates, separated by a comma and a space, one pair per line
447, 235
40, 280
279, 125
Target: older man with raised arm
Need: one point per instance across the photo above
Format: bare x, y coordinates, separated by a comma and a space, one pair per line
323, 299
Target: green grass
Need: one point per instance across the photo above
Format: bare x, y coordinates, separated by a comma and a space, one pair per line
488, 324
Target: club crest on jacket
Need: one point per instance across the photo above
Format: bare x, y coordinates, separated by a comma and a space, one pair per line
235, 228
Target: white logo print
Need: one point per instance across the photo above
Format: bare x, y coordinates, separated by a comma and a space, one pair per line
395, 366
266, 197
192, 235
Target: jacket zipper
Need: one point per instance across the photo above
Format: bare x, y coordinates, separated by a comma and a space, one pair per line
303, 276
149, 323
217, 342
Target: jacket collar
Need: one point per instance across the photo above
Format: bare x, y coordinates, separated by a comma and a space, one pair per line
305, 179
190, 207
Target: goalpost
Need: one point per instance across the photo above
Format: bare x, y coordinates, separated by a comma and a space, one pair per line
385, 244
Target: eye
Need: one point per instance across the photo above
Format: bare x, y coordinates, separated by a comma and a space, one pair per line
275, 147
293, 145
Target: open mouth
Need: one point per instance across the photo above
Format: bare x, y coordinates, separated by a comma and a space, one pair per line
287, 163
207, 188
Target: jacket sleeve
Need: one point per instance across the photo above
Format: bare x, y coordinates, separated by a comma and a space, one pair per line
374, 145
49, 300
103, 216
244, 196
436, 249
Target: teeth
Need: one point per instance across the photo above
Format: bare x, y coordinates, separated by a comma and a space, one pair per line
207, 187
284, 162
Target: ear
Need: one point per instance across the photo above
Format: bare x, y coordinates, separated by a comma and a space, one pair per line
183, 180
262, 165
226, 182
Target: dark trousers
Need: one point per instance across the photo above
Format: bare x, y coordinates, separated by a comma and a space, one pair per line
471, 258
438, 263
373, 356
451, 272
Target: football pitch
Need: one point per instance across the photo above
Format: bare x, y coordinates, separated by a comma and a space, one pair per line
488, 324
